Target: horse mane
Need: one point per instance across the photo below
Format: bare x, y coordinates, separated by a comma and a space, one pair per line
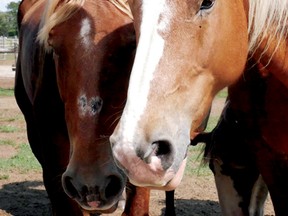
267, 21
56, 12
123, 6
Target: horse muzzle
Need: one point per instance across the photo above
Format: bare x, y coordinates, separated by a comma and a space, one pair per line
158, 165
101, 194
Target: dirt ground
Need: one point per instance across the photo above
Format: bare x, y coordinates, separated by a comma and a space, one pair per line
24, 194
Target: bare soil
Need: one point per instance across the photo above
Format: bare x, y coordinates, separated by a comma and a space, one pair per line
24, 194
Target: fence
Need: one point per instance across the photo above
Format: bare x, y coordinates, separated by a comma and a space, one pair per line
8, 45
9, 50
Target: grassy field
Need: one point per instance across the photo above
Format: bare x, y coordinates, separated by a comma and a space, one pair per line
12, 131
6, 92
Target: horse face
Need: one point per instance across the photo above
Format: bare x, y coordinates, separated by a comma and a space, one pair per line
187, 51
93, 57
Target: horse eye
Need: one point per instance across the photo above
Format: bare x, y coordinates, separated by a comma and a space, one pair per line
207, 4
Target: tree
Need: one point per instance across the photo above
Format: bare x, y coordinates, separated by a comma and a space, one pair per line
12, 9
4, 24
8, 20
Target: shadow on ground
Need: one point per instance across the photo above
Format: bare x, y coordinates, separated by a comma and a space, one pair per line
25, 198
28, 198
193, 207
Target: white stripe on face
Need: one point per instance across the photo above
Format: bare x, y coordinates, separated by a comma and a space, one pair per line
149, 52
85, 31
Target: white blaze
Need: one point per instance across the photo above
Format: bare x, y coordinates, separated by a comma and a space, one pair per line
148, 55
85, 31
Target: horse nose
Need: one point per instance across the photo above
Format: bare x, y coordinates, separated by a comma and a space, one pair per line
161, 149
97, 195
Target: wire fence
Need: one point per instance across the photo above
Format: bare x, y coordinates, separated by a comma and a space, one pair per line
8, 46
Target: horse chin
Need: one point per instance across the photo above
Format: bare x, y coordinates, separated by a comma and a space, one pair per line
96, 210
173, 183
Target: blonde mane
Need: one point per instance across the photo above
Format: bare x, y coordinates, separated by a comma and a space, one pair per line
267, 21
123, 6
56, 12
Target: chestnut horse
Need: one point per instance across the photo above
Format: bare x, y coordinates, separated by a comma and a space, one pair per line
186, 52
72, 74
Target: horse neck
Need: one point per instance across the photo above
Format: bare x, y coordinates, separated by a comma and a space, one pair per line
268, 24
274, 58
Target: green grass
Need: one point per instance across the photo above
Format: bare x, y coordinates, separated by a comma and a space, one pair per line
222, 94
23, 162
4, 177
11, 119
212, 122
8, 129
6, 92
7, 142
7, 119
195, 165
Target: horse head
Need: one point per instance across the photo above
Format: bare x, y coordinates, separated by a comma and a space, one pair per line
186, 52
93, 53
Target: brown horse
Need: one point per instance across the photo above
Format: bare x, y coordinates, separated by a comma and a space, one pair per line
186, 52
72, 74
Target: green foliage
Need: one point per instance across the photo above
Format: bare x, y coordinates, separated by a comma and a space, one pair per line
12, 13
8, 20
4, 24
12, 8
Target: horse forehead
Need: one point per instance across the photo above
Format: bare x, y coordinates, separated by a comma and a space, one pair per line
85, 30
155, 22
89, 106
158, 9
85, 26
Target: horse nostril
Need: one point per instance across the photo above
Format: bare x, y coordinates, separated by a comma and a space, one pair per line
114, 186
164, 150
161, 149
69, 188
